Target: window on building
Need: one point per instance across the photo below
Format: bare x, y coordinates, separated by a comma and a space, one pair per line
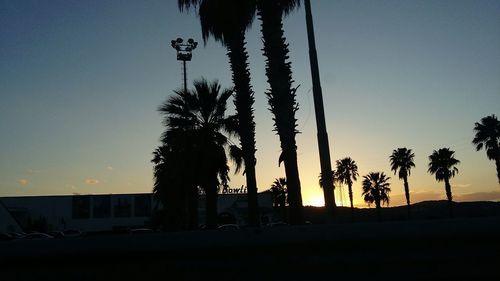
101, 206
81, 207
142, 205
122, 206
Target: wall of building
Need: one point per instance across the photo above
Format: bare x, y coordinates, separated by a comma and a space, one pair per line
7, 222
113, 211
87, 212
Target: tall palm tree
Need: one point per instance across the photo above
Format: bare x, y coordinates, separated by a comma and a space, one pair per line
376, 190
442, 164
281, 95
402, 159
226, 21
197, 124
347, 173
488, 137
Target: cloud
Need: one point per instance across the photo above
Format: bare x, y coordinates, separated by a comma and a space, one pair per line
400, 199
32, 171
23, 182
460, 185
91, 181
109, 168
478, 196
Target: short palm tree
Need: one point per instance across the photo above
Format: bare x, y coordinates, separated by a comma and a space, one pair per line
279, 191
227, 21
197, 125
442, 164
376, 190
322, 180
347, 173
488, 137
175, 188
402, 159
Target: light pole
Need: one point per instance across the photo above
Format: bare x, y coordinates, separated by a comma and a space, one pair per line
184, 53
324, 149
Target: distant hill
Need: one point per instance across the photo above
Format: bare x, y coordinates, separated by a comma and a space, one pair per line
426, 210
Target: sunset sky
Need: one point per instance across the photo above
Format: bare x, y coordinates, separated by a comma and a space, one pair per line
81, 81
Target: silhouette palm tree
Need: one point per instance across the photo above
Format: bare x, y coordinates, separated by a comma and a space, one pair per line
226, 21
347, 173
488, 137
197, 125
402, 159
376, 190
442, 164
281, 95
175, 188
278, 190
322, 181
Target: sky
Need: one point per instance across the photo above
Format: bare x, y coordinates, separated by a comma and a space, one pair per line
81, 82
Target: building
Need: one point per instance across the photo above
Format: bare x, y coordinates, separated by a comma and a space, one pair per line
109, 212
7, 222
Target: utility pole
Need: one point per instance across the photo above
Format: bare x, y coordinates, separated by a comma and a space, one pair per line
324, 149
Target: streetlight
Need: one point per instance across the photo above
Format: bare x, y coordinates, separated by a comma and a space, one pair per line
184, 53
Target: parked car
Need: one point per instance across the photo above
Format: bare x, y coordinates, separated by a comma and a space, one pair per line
37, 236
72, 233
229, 227
6, 237
57, 234
16, 235
140, 230
277, 224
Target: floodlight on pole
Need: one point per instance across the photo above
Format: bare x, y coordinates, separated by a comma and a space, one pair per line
184, 53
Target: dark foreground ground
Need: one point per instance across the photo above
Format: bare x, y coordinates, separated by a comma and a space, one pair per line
447, 249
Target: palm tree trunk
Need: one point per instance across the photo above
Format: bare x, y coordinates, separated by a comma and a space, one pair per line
211, 208
323, 146
193, 208
282, 99
379, 210
449, 196
244, 101
497, 162
351, 200
407, 195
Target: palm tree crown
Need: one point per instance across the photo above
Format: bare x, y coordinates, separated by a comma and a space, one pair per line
442, 164
321, 180
198, 127
347, 171
402, 160
488, 137
279, 191
376, 188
